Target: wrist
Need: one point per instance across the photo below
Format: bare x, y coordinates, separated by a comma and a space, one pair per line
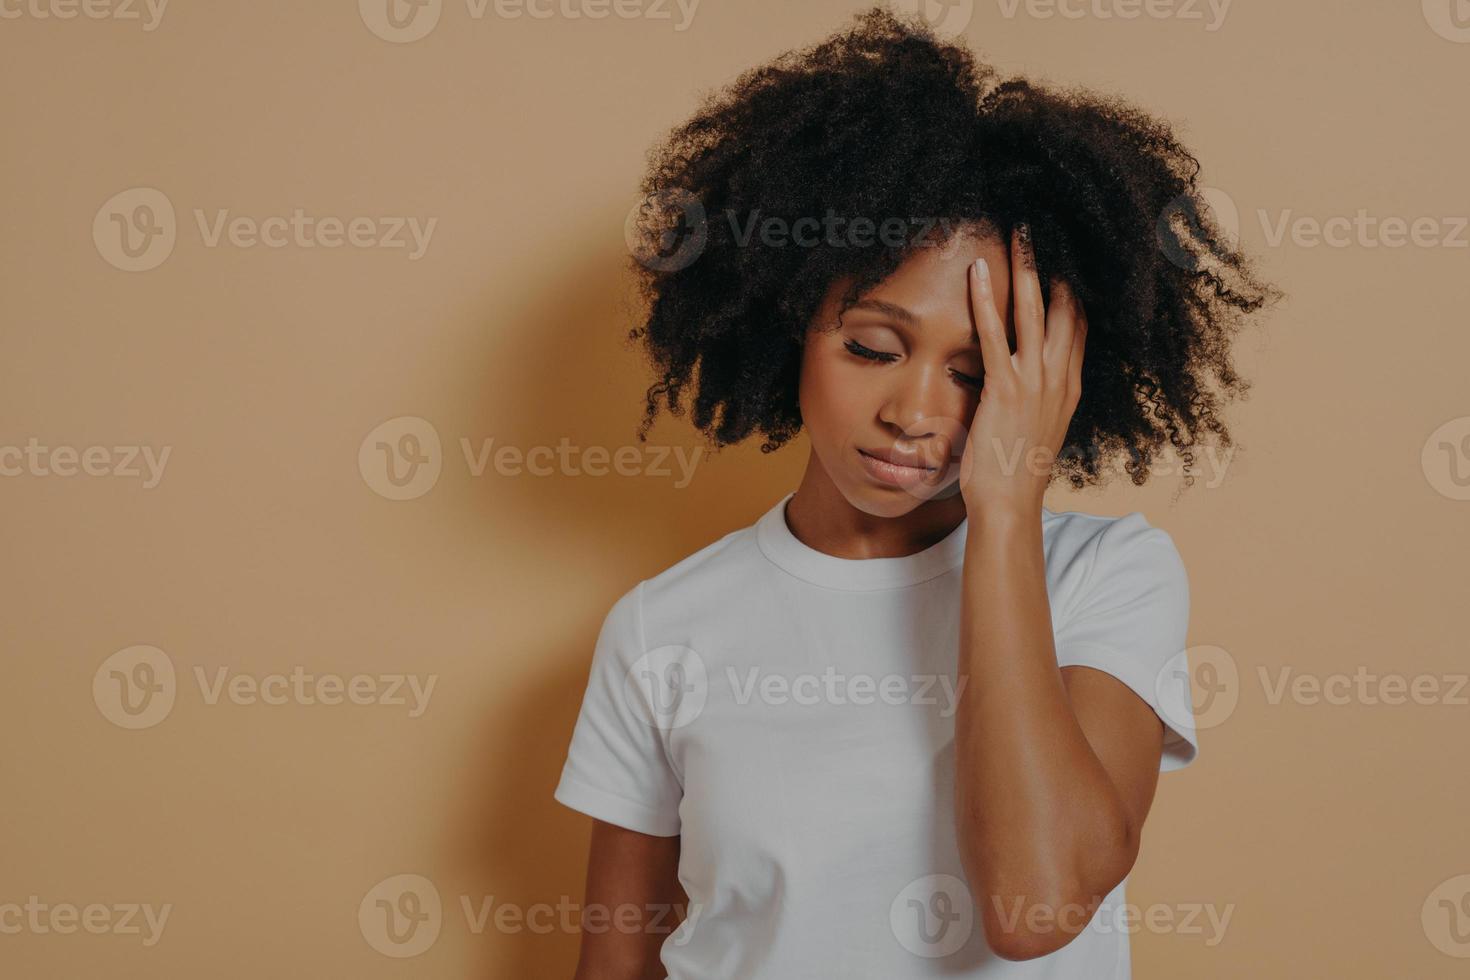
1002, 513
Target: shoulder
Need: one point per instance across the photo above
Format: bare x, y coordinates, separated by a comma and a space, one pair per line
1085, 552
1085, 535
697, 584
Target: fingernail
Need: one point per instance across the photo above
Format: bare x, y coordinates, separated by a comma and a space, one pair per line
982, 270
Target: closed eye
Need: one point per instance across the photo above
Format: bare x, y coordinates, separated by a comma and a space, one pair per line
869, 354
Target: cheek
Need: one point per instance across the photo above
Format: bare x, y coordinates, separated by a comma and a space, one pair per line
831, 393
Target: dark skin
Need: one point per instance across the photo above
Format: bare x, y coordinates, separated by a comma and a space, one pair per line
638, 870
1056, 768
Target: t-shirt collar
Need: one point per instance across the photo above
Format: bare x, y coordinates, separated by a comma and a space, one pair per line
855, 574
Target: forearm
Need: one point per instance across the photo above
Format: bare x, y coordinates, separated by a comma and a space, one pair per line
1039, 822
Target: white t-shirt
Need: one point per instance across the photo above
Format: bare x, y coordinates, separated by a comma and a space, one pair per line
791, 715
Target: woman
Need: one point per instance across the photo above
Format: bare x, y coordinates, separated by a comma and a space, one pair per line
910, 722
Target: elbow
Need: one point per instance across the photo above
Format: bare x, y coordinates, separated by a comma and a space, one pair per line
1025, 930
1034, 909
1016, 948
1019, 926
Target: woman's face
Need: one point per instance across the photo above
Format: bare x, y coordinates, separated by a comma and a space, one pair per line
915, 402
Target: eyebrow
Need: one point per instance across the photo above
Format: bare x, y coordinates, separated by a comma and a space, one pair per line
887, 309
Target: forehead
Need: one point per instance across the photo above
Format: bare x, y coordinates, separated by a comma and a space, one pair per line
932, 282
934, 278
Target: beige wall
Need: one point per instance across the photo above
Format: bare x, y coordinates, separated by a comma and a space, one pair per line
1334, 543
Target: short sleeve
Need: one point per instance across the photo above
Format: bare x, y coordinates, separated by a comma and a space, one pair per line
1130, 619
617, 767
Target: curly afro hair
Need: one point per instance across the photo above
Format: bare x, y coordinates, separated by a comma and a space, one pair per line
883, 120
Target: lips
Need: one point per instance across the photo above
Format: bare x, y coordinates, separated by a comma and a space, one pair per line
912, 460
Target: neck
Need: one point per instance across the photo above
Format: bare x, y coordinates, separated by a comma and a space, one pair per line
822, 518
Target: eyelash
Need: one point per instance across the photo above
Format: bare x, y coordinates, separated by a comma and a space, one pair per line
868, 354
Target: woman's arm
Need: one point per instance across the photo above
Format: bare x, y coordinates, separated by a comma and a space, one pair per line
1055, 767
633, 902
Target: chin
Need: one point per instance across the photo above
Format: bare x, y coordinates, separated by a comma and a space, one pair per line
886, 500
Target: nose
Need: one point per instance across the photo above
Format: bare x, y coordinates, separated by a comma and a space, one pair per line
918, 408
